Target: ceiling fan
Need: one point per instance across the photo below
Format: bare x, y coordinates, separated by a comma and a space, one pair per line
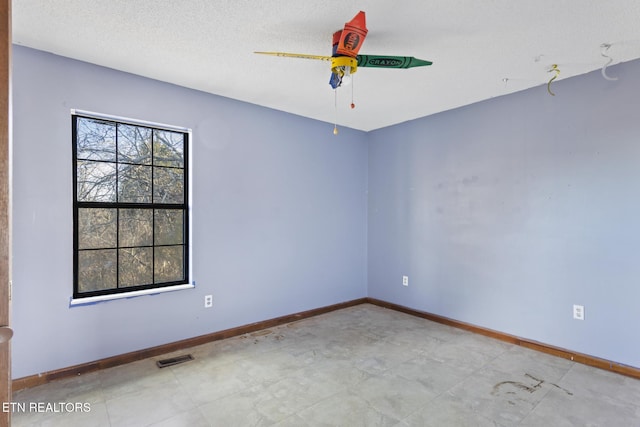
345, 59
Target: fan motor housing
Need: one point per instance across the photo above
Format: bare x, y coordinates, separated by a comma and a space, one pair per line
338, 62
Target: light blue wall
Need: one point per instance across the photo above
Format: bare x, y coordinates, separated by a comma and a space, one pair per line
279, 209
503, 214
506, 213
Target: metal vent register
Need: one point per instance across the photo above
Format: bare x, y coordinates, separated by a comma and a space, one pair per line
174, 360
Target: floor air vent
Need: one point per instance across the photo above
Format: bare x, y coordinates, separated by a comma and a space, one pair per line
174, 361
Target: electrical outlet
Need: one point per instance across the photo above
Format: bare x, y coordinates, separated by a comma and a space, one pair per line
208, 301
578, 312
405, 280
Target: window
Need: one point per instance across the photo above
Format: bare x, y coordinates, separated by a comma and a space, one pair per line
130, 225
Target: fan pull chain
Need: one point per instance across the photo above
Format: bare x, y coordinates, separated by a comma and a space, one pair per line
335, 104
352, 84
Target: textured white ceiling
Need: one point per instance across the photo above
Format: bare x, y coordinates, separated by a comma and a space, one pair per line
480, 49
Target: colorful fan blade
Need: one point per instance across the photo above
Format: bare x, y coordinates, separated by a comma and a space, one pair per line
352, 36
381, 61
297, 55
335, 80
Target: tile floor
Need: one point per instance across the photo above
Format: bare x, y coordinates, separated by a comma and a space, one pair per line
361, 366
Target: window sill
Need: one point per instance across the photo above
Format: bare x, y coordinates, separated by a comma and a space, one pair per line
79, 302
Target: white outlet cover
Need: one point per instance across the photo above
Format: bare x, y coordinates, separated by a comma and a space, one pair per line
578, 312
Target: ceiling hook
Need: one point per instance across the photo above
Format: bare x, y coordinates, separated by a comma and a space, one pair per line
605, 47
554, 68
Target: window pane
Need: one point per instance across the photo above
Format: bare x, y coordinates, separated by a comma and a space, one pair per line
134, 184
97, 228
134, 144
96, 270
96, 181
169, 264
168, 148
130, 198
136, 266
169, 227
136, 227
168, 185
95, 139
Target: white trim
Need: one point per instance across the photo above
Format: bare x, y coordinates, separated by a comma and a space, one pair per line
190, 202
128, 120
102, 298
